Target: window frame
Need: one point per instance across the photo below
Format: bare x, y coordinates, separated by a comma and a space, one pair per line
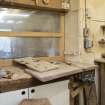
60, 35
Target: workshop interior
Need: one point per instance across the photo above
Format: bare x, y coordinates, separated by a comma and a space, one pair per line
52, 52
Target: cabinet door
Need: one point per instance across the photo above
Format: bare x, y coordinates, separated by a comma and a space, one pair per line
57, 93
14, 97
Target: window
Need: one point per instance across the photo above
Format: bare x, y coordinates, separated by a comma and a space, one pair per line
31, 33
13, 47
15, 20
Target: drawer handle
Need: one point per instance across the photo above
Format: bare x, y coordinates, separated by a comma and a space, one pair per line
23, 93
33, 91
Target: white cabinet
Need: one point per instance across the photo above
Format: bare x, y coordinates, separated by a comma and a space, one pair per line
57, 93
14, 97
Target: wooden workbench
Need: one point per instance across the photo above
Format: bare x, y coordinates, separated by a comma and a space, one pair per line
22, 80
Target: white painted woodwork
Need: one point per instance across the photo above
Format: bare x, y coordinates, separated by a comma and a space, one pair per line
57, 93
13, 98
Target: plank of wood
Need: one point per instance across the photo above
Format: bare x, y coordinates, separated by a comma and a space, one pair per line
85, 66
63, 70
35, 102
101, 60
37, 65
32, 34
102, 83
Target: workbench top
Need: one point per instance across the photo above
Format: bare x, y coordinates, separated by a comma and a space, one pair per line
62, 70
21, 79
101, 60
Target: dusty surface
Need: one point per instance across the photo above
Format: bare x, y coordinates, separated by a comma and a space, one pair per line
17, 73
21, 79
63, 70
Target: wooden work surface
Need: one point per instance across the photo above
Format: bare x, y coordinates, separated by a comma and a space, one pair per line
21, 80
101, 60
63, 70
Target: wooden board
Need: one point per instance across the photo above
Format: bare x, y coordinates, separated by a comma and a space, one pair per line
24, 2
63, 70
102, 83
54, 5
91, 94
84, 66
35, 102
101, 80
37, 65
101, 60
